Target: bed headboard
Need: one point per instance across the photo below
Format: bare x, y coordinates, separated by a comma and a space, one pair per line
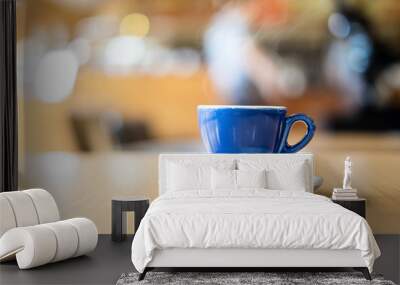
164, 159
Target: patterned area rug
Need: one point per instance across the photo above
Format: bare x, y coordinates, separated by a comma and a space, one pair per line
269, 278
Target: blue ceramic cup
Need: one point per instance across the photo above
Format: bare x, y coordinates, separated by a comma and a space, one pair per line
250, 129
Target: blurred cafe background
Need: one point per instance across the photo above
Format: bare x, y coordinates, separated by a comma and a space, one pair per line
106, 85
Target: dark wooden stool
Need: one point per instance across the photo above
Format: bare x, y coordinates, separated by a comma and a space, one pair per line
357, 205
121, 205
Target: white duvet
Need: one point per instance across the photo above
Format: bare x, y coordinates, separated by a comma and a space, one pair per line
250, 219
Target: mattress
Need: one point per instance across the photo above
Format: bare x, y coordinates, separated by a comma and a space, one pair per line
250, 219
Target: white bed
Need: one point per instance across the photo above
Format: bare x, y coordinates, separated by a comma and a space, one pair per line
249, 227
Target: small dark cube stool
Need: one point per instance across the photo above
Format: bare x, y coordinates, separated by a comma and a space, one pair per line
356, 205
120, 205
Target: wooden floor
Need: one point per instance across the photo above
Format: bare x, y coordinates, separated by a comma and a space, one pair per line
110, 260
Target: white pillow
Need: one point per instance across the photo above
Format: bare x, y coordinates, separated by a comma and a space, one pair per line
187, 174
185, 177
226, 179
251, 178
223, 179
293, 178
292, 175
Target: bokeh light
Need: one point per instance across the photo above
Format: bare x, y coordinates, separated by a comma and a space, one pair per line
338, 25
359, 52
123, 53
81, 48
55, 76
135, 25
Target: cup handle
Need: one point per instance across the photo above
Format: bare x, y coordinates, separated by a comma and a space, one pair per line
285, 147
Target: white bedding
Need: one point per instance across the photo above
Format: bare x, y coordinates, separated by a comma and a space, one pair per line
250, 219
